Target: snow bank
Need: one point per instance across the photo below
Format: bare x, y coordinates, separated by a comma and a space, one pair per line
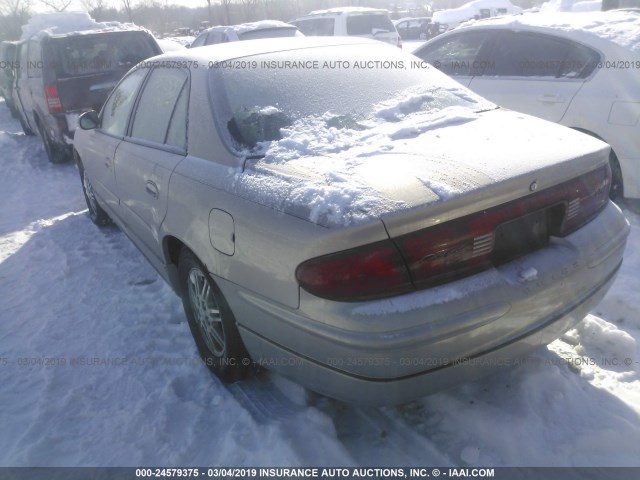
57, 23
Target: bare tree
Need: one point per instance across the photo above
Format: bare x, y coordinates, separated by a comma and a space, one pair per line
226, 11
128, 8
209, 14
57, 5
252, 10
95, 7
14, 13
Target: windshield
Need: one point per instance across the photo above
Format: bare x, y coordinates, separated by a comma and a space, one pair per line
345, 87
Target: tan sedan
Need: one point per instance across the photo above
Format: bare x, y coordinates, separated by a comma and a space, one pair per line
372, 230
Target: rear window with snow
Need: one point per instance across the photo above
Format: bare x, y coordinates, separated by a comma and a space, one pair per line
345, 88
101, 52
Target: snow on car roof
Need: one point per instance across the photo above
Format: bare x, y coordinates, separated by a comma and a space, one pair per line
69, 23
252, 26
231, 50
619, 27
341, 10
470, 9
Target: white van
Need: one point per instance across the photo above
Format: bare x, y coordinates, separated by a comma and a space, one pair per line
351, 21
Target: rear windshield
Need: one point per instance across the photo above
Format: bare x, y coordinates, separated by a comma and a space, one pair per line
104, 52
368, 24
269, 33
256, 104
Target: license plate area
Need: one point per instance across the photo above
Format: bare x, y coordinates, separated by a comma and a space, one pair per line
520, 236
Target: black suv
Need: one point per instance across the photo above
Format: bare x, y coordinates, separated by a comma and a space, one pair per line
61, 76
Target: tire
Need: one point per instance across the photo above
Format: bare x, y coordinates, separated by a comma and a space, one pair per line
55, 152
617, 189
25, 128
96, 213
211, 321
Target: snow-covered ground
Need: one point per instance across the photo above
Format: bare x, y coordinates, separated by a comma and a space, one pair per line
136, 393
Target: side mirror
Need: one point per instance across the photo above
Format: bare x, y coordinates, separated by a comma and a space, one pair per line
89, 120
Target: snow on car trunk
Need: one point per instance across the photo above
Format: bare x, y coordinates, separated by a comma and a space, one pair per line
336, 177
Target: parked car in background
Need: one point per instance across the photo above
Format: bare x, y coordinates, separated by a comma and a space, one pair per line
338, 230
419, 28
579, 70
246, 31
350, 21
7, 67
63, 75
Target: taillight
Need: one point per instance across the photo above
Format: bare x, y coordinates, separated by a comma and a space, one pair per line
53, 100
459, 247
586, 195
371, 271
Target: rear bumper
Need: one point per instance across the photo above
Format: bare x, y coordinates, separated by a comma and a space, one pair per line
394, 350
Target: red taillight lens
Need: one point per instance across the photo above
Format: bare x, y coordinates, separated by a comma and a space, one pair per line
457, 248
586, 196
53, 100
371, 271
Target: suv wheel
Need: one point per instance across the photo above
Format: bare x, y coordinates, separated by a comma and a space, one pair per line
55, 151
211, 321
25, 127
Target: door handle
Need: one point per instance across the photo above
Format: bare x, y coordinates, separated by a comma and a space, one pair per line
152, 189
548, 98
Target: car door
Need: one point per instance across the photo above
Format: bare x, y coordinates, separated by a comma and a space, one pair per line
144, 161
533, 73
456, 55
99, 148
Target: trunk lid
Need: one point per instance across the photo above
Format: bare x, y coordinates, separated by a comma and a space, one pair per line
412, 178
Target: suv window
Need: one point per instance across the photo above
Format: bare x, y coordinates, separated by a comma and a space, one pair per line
103, 52
366, 24
456, 55
34, 65
115, 113
316, 27
534, 55
157, 104
198, 42
269, 33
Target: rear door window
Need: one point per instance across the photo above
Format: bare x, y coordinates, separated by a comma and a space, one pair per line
456, 55
528, 55
116, 110
157, 106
